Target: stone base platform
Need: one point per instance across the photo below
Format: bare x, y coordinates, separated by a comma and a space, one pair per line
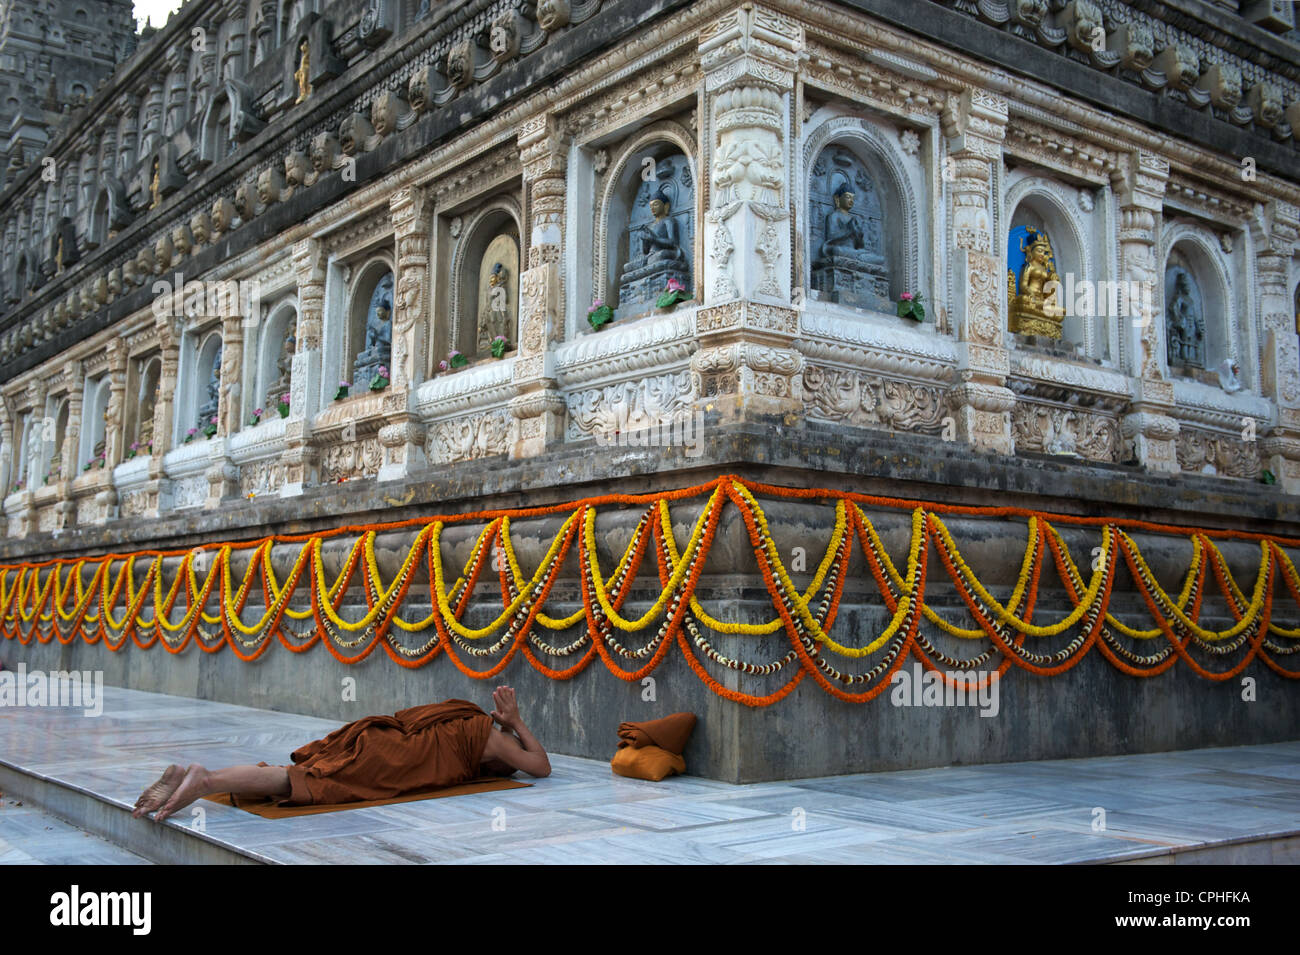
1090, 710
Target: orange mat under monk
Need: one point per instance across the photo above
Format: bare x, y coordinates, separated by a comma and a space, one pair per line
268, 808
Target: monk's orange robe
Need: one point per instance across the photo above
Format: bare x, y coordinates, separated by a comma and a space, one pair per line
379, 757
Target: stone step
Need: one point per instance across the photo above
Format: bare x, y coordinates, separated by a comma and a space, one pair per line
110, 819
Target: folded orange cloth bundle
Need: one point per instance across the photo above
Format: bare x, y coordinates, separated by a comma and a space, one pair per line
653, 750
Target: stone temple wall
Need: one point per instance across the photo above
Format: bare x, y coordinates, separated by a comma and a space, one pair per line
267, 305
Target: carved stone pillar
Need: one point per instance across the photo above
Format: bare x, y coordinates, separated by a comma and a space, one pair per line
300, 459
1148, 425
158, 490
747, 362
74, 375
538, 406
1280, 449
7, 456
114, 437
975, 124
402, 435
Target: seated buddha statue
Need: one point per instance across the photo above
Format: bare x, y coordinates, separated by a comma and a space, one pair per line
844, 234
208, 410
1035, 309
659, 241
379, 343
655, 255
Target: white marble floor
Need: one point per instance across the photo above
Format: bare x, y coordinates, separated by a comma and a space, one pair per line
1045, 812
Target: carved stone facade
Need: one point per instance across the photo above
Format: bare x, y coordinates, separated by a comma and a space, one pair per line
751, 124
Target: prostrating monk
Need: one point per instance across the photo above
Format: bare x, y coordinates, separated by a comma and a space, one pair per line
379, 757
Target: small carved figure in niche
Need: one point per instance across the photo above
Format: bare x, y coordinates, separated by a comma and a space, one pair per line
1034, 309
493, 320
284, 369
1183, 321
34, 447
302, 74
379, 332
208, 410
155, 195
58, 256
1229, 376
850, 266
660, 234
144, 430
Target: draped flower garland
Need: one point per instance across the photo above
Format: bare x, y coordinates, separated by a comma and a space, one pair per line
125, 598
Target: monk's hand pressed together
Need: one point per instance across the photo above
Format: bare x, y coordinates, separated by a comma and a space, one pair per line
516, 747
507, 709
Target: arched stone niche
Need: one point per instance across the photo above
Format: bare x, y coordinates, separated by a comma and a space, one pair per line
1198, 319
54, 449
94, 437
138, 424
202, 397
1038, 210
485, 283
639, 248
871, 254
370, 323
275, 356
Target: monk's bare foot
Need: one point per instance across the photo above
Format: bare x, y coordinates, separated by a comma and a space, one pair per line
159, 792
192, 787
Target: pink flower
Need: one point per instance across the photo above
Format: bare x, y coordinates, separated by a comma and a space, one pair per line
595, 305
383, 371
214, 419
442, 366
193, 431
258, 412
344, 384
906, 296
675, 286
284, 398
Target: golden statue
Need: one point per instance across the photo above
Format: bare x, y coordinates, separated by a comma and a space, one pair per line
300, 74
1036, 310
154, 187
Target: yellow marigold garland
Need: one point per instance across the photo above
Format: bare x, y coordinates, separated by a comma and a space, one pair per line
53, 599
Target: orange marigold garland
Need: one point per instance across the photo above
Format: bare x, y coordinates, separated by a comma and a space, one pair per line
54, 600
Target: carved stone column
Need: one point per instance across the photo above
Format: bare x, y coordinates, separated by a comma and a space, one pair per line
7, 456
975, 125
300, 459
747, 362
114, 437
538, 406
1280, 449
402, 435
1140, 189
74, 375
158, 490
222, 473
